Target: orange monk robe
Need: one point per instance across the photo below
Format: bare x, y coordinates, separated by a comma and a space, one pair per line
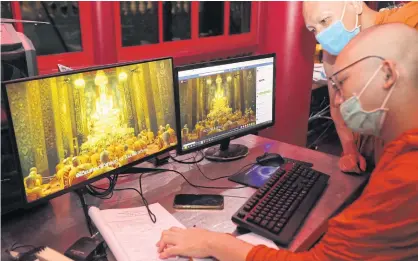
381, 225
407, 14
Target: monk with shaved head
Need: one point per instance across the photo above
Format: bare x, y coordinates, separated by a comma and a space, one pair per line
376, 90
334, 25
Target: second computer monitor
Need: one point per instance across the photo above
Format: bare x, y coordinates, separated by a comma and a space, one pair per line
221, 100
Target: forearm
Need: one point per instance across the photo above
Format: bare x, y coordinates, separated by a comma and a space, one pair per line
344, 133
229, 248
225, 247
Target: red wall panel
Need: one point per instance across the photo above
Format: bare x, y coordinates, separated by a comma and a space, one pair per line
103, 32
283, 32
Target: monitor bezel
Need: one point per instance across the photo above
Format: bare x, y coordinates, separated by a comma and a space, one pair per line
247, 131
4, 84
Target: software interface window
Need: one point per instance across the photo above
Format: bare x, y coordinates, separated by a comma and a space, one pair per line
217, 101
75, 127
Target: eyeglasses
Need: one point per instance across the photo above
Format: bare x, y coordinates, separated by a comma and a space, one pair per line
332, 78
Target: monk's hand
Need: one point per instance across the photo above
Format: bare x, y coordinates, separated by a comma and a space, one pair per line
352, 162
191, 242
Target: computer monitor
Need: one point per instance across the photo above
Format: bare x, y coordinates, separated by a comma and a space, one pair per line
221, 100
73, 128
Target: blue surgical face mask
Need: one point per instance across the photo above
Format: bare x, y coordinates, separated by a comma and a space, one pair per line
335, 37
361, 121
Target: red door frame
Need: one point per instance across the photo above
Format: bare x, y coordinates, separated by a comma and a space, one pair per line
194, 49
48, 63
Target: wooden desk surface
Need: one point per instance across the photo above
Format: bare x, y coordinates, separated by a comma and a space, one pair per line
61, 222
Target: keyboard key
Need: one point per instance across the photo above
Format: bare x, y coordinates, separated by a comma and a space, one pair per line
264, 223
291, 209
270, 225
257, 220
276, 230
241, 214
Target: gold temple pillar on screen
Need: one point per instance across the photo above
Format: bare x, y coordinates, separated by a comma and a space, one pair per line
65, 119
37, 127
77, 85
148, 89
156, 90
189, 104
237, 90
165, 85
140, 103
124, 106
229, 90
130, 91
25, 108
57, 119
47, 111
200, 100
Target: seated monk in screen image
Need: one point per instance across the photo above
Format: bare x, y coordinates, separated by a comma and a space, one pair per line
376, 89
33, 184
76, 168
104, 166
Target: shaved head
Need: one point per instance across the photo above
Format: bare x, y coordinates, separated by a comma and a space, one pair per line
395, 42
392, 65
319, 15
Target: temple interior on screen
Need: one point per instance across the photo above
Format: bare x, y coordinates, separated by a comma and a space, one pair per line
217, 103
76, 127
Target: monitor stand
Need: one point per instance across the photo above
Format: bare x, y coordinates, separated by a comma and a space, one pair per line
226, 152
80, 193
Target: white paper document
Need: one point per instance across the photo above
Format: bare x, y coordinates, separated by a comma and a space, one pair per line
130, 234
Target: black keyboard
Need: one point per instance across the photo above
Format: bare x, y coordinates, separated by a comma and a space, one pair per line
279, 207
306, 164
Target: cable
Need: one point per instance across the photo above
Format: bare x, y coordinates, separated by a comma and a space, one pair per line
105, 194
14, 246
189, 162
321, 135
230, 196
223, 177
191, 184
146, 204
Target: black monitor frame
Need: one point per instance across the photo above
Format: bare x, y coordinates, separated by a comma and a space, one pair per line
119, 170
223, 142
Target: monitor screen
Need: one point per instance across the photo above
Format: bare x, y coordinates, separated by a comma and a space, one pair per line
78, 126
225, 99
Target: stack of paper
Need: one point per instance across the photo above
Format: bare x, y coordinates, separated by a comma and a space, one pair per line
131, 235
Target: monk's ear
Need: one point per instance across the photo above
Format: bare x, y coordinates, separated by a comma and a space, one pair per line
391, 73
358, 6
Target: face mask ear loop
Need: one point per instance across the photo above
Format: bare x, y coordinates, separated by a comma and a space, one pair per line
390, 92
369, 81
355, 27
345, 4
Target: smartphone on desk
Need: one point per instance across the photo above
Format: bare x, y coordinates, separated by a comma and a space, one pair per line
194, 201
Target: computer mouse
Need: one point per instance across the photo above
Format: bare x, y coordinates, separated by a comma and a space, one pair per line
270, 159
